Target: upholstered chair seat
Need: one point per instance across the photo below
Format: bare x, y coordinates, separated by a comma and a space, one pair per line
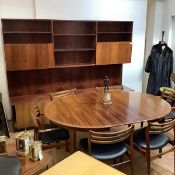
10, 165
104, 152
156, 141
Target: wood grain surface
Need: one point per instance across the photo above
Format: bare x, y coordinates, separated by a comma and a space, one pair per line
113, 53
29, 56
85, 110
81, 164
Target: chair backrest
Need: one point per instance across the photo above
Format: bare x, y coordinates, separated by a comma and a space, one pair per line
10, 165
109, 137
168, 95
172, 76
54, 95
114, 87
36, 116
110, 88
163, 126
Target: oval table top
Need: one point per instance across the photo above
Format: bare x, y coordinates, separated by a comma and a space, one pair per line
85, 110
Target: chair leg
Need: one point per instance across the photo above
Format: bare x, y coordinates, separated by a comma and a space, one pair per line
141, 124
148, 162
67, 146
160, 151
174, 161
132, 169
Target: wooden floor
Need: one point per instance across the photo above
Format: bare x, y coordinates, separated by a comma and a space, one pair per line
163, 166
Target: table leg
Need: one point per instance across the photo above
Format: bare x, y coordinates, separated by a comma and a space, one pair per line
72, 134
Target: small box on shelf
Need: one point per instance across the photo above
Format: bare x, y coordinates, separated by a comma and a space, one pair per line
35, 151
22, 143
2, 144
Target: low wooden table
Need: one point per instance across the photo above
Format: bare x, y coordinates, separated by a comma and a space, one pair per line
81, 164
28, 166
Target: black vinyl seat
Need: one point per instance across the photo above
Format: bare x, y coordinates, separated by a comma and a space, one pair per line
171, 115
156, 141
10, 165
50, 135
153, 137
53, 136
110, 145
104, 152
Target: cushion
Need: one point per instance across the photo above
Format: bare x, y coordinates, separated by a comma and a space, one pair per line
105, 151
53, 136
156, 140
9, 165
171, 115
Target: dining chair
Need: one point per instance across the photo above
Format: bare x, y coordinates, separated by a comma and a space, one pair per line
110, 145
50, 135
172, 77
169, 95
153, 137
54, 95
10, 165
114, 87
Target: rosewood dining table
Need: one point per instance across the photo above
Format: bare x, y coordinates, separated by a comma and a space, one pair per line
85, 110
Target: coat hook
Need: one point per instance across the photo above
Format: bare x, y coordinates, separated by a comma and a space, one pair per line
163, 33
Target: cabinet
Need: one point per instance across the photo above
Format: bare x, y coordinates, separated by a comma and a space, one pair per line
45, 56
28, 44
114, 42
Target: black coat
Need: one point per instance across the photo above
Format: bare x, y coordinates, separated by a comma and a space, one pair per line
160, 67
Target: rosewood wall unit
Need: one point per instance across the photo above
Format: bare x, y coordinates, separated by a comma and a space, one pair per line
45, 56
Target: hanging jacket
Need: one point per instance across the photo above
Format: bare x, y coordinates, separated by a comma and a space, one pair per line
160, 66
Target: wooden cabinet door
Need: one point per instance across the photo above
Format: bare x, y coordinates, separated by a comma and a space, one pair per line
29, 56
23, 113
113, 53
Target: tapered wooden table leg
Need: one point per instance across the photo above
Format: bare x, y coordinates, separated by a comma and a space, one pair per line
72, 134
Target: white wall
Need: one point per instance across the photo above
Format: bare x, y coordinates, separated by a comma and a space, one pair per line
149, 37
11, 9
160, 21
124, 10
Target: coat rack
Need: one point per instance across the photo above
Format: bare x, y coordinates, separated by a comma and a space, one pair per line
163, 33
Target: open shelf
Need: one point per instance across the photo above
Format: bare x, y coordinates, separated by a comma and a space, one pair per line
113, 26
22, 38
74, 34
74, 27
23, 25
75, 50
114, 31
27, 32
112, 37
32, 82
74, 65
75, 58
74, 42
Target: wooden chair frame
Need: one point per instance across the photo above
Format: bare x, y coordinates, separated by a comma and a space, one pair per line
111, 138
168, 94
156, 128
115, 87
39, 129
54, 95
